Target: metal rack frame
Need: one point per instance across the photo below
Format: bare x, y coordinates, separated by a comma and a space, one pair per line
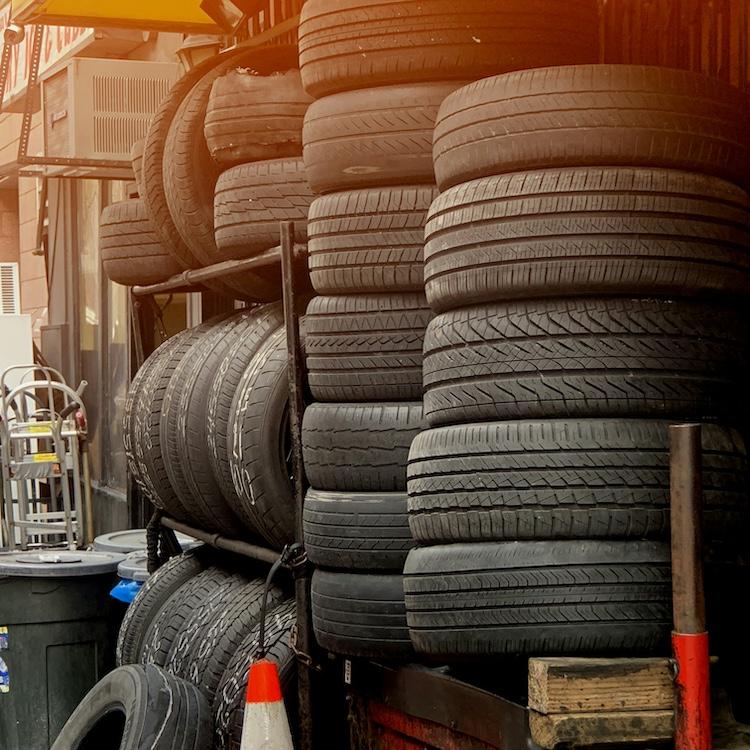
288, 256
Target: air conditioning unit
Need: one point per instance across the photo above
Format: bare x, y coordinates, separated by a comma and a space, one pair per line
98, 108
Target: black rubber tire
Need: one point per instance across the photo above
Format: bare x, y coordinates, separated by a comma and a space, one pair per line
186, 427
268, 320
478, 601
134, 708
190, 174
153, 155
150, 452
251, 117
212, 585
131, 252
373, 137
592, 115
130, 424
586, 357
249, 337
587, 231
360, 615
357, 530
151, 597
259, 444
359, 447
183, 425
566, 479
250, 202
344, 43
229, 704
366, 347
213, 634
369, 241
136, 159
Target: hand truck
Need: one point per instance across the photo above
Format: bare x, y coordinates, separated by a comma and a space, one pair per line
43, 437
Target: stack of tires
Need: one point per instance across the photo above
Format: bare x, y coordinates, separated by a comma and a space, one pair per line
228, 133
197, 618
379, 72
253, 129
205, 427
588, 259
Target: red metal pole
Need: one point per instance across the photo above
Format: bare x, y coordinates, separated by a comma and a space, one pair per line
689, 637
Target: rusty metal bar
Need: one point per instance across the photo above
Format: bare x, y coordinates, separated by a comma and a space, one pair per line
221, 542
302, 575
686, 513
191, 280
689, 638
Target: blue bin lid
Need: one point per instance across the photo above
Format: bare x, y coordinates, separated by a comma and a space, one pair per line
134, 567
133, 540
57, 563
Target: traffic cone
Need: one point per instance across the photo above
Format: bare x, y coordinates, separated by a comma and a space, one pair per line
266, 726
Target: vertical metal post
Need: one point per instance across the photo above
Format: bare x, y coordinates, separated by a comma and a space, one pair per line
689, 637
296, 369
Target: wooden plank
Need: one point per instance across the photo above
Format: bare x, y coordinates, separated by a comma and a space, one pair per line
585, 730
560, 686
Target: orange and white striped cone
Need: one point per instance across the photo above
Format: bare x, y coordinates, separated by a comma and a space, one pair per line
266, 726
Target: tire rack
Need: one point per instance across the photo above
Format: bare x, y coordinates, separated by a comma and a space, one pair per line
414, 691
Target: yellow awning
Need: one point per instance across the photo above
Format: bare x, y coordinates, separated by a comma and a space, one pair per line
162, 15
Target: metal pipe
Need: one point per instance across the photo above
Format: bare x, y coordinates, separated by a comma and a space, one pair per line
302, 578
220, 542
188, 280
689, 637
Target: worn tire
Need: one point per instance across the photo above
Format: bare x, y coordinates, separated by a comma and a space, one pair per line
251, 117
373, 137
357, 530
229, 704
359, 447
137, 707
259, 436
366, 347
565, 479
183, 425
474, 601
586, 357
151, 597
212, 585
587, 231
252, 199
214, 633
592, 115
355, 614
130, 424
136, 159
369, 241
150, 451
131, 252
153, 183
267, 320
249, 337
345, 42
190, 174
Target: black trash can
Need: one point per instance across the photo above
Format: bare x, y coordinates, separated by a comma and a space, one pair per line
58, 626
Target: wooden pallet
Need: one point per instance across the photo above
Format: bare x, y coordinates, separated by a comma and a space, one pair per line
589, 702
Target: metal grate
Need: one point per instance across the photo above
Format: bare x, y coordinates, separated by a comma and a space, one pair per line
10, 297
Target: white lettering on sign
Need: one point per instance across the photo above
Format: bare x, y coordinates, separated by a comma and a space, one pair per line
59, 42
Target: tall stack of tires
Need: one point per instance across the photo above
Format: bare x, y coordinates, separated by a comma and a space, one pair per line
588, 259
197, 618
379, 72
